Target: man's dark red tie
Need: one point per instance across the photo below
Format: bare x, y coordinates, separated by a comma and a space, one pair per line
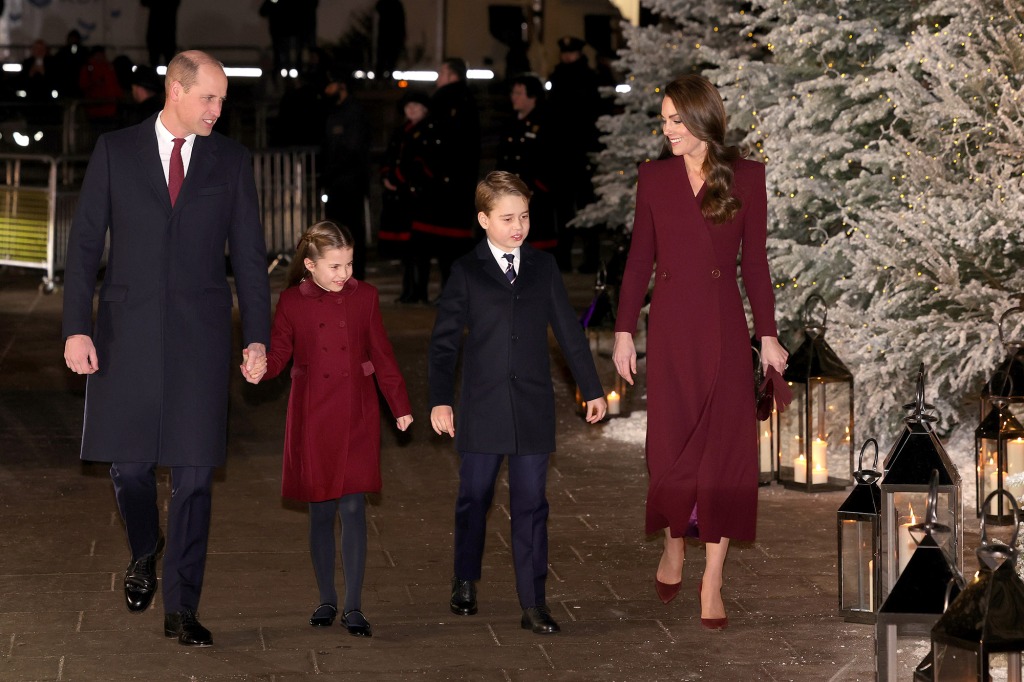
176, 172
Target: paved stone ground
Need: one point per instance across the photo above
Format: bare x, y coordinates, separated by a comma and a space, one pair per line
63, 553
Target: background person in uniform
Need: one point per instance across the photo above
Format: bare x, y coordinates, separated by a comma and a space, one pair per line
161, 30
346, 159
68, 63
171, 195
525, 150
402, 172
574, 104
37, 77
147, 88
443, 212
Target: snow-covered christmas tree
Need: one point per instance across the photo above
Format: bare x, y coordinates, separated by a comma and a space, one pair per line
893, 135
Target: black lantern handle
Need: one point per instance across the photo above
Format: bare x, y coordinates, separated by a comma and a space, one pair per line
1005, 390
953, 582
1013, 347
807, 311
919, 406
931, 523
867, 476
1016, 518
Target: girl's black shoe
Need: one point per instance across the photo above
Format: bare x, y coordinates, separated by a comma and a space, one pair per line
323, 616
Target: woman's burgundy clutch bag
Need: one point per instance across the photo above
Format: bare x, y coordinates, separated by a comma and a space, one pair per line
773, 392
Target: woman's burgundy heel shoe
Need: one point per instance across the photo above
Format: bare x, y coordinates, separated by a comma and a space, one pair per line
711, 623
666, 592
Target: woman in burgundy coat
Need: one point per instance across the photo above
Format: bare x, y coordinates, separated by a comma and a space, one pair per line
695, 209
330, 325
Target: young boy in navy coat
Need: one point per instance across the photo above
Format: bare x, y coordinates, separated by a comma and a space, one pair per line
506, 294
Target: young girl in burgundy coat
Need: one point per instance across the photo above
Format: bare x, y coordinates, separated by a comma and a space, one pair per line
330, 325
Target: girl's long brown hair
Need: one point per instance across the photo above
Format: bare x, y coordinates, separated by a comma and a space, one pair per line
319, 239
701, 110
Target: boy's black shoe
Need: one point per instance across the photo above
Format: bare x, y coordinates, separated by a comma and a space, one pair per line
539, 620
463, 601
187, 629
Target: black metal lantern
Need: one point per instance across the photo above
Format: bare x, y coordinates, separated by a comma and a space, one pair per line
916, 601
1007, 382
982, 630
999, 455
906, 486
815, 438
860, 531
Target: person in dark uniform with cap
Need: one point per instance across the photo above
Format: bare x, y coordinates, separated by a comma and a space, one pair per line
346, 159
403, 174
524, 148
147, 91
444, 214
573, 107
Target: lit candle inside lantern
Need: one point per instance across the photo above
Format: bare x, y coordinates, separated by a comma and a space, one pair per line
614, 406
993, 485
871, 585
800, 469
819, 475
819, 454
1015, 456
766, 450
906, 545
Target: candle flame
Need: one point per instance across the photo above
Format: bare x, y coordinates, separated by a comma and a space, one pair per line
913, 519
613, 396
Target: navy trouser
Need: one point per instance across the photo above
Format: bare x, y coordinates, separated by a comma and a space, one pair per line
528, 507
188, 525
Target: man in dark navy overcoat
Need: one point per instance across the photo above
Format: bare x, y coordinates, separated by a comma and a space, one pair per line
171, 195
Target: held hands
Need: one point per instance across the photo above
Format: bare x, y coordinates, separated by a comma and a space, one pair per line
772, 353
596, 410
80, 354
443, 420
254, 364
403, 422
624, 357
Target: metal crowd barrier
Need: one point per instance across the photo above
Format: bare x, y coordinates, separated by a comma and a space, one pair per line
37, 202
40, 195
289, 200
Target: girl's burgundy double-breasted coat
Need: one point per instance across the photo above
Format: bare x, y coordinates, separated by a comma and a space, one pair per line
701, 427
341, 354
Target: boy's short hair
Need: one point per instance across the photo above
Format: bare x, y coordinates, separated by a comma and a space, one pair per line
498, 184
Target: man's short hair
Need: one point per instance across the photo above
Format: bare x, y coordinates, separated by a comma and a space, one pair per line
457, 66
534, 88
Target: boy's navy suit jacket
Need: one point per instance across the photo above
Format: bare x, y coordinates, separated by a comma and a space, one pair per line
507, 402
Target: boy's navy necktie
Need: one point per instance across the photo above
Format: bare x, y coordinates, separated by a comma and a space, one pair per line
510, 272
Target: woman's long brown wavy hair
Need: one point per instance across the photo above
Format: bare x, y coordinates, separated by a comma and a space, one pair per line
318, 240
701, 110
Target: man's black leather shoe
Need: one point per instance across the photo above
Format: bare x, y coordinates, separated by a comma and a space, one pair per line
463, 601
140, 579
539, 620
186, 628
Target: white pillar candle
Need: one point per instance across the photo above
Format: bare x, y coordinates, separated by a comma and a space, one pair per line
614, 406
819, 454
800, 469
905, 543
1015, 456
766, 450
819, 475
